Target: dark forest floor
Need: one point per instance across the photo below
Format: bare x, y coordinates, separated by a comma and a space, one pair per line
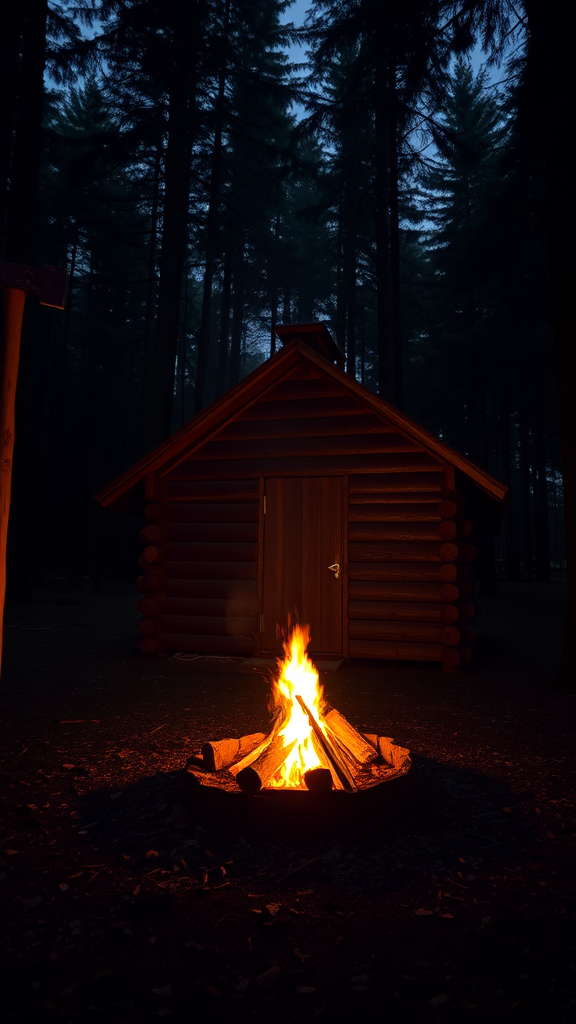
119, 907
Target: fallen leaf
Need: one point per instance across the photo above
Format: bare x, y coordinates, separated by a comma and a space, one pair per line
424, 913
438, 1000
164, 991
63, 886
303, 957
269, 977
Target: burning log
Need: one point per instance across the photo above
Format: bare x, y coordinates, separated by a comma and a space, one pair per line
318, 780
335, 759
252, 778
349, 738
220, 754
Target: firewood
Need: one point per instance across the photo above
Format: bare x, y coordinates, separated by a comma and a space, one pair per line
349, 737
318, 780
335, 759
255, 776
391, 752
220, 754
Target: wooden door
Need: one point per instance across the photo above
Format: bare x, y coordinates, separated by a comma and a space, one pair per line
302, 544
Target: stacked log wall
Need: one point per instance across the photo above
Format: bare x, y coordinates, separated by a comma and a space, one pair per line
408, 572
206, 601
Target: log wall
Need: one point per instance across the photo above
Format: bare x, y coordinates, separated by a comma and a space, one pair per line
408, 577
203, 596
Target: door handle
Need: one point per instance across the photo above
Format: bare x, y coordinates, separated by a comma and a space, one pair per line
335, 569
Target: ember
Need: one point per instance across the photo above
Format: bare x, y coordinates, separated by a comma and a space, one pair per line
309, 747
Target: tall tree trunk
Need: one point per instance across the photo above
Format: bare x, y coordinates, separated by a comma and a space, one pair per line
382, 226
212, 225
224, 341
525, 496
237, 317
159, 372
550, 81
21, 230
541, 524
394, 184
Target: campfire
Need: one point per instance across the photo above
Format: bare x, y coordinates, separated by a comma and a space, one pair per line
310, 746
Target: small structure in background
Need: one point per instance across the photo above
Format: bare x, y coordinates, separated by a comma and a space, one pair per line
301, 494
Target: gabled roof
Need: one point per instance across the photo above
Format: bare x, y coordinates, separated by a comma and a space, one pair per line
252, 389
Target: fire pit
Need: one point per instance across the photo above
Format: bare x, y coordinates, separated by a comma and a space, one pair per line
312, 764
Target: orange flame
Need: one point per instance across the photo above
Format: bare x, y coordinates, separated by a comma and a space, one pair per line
297, 676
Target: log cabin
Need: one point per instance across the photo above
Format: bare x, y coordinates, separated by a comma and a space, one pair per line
302, 494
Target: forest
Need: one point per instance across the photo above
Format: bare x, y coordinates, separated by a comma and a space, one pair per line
405, 181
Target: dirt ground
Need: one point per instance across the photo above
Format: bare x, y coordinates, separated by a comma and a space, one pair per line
120, 906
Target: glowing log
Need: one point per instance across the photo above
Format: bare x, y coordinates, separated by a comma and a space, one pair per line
220, 754
252, 778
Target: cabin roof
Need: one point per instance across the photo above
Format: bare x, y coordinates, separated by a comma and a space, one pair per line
126, 493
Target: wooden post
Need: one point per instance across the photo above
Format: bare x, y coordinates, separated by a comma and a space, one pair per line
14, 300
50, 285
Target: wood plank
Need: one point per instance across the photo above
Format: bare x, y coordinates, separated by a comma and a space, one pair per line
390, 651
404, 611
401, 551
238, 606
308, 426
289, 390
224, 645
296, 447
403, 591
393, 512
417, 572
211, 552
210, 625
213, 512
307, 408
385, 531
418, 632
219, 490
211, 570
235, 590
398, 488
228, 532
408, 466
